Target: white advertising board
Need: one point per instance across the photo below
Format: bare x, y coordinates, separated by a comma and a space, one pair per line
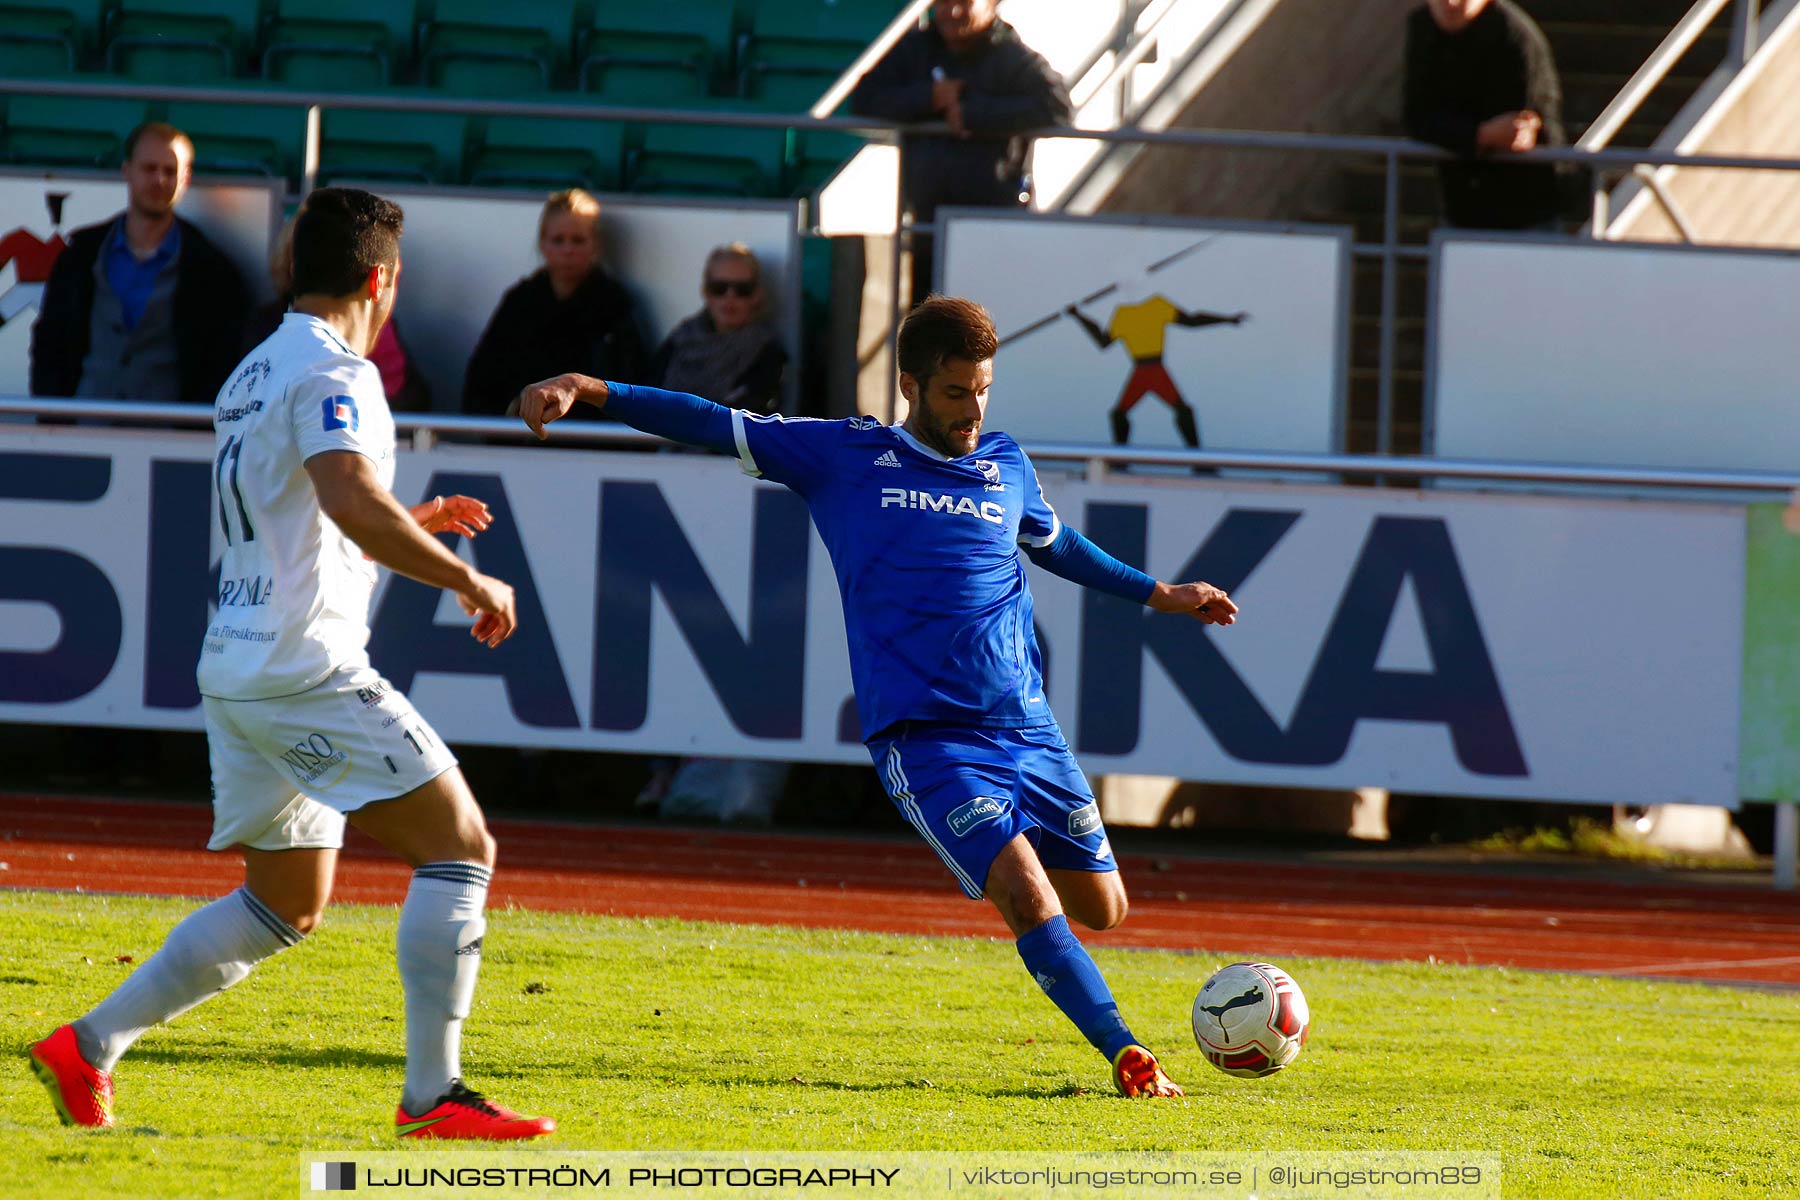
1470, 645
1274, 382
1613, 354
239, 216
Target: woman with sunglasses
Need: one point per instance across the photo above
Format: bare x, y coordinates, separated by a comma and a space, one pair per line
729, 351
568, 312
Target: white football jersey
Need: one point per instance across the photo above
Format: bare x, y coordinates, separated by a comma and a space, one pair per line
293, 602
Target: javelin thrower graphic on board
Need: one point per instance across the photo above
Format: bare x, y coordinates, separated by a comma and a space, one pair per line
1142, 326
31, 258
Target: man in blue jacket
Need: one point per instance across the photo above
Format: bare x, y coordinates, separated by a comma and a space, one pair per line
141, 306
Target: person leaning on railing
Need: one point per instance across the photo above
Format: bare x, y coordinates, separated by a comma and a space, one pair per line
1481, 82
968, 69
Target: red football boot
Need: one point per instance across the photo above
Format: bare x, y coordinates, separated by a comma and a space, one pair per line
1136, 1072
460, 1113
82, 1094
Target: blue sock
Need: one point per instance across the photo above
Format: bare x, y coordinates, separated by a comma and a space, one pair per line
1062, 967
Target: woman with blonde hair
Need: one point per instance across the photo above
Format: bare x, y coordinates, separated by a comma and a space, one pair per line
729, 351
568, 315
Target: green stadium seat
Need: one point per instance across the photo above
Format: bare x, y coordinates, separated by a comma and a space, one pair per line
800, 45
691, 38
792, 89
68, 130
53, 39
476, 47
162, 41
660, 85
399, 146
339, 45
244, 139
709, 161
549, 153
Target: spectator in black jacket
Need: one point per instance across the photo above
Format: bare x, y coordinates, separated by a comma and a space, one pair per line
969, 69
142, 306
569, 315
1480, 80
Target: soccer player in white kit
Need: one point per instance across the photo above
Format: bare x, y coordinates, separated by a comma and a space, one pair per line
303, 734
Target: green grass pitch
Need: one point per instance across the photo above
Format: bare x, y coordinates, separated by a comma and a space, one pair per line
663, 1035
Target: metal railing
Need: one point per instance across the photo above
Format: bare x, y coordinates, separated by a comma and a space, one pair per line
426, 429
1392, 151
1745, 30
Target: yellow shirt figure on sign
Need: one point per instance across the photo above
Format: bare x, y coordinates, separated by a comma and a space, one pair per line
1142, 328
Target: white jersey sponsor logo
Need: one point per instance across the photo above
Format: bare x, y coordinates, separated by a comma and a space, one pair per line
987, 510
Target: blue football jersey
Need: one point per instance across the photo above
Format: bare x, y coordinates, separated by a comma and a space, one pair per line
926, 550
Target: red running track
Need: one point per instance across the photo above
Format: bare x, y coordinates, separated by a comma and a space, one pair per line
1742, 934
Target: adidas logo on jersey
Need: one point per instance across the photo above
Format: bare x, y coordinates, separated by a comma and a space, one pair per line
889, 459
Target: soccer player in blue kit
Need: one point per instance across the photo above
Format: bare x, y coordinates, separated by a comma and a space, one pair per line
924, 523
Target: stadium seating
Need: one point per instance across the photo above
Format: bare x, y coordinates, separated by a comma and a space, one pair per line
156, 41
796, 48
339, 45
708, 161
478, 48
686, 43
68, 131
46, 39
400, 146
779, 53
548, 154
244, 139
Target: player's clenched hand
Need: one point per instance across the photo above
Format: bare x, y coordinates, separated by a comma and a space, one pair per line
1202, 600
454, 514
551, 399
490, 602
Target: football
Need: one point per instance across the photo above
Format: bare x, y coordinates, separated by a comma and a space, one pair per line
1250, 1019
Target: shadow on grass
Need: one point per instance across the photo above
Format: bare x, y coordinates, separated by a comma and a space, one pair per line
275, 1056
883, 1086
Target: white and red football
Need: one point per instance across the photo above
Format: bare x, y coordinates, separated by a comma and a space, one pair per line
1251, 1019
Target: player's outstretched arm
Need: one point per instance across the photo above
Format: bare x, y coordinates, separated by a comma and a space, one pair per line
1078, 560
678, 416
1200, 600
352, 496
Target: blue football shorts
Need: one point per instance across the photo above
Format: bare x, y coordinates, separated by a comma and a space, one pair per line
971, 791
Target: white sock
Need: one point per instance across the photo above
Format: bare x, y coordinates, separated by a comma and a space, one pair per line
439, 948
208, 951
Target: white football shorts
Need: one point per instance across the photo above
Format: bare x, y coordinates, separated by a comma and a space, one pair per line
285, 771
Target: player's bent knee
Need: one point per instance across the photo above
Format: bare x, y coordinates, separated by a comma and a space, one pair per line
303, 923
1104, 912
1114, 914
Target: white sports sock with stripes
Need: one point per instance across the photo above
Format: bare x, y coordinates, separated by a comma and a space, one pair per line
439, 948
208, 951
